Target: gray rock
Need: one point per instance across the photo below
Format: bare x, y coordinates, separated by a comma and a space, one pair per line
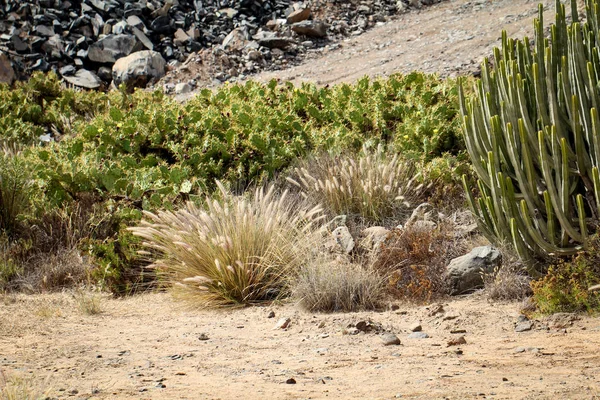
183, 88
310, 28
423, 212
389, 339
464, 273
137, 69
141, 36
85, 79
67, 70
113, 47
418, 335
272, 41
524, 326
135, 22
373, 237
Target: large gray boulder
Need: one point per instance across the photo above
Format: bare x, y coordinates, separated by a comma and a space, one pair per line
464, 273
139, 68
113, 47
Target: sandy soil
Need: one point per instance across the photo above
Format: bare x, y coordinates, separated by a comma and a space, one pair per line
147, 347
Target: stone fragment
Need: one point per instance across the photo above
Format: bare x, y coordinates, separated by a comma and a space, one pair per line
344, 239
283, 323
310, 28
7, 73
85, 79
298, 16
418, 335
457, 342
113, 47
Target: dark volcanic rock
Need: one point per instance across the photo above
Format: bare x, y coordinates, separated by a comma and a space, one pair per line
39, 35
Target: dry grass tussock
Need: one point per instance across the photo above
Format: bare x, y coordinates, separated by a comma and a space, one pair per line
233, 251
509, 281
334, 286
19, 388
372, 186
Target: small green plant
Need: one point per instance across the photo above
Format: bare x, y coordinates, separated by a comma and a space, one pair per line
235, 250
565, 287
373, 187
88, 302
338, 286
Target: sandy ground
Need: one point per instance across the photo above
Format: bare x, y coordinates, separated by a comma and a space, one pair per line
147, 347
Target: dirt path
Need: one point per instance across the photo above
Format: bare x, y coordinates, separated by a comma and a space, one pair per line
448, 38
146, 347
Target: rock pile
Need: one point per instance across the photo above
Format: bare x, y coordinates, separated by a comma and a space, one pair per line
82, 39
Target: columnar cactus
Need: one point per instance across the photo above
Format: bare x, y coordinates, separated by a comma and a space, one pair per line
533, 133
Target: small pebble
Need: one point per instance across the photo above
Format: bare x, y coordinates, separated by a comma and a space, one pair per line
271, 314
457, 342
418, 335
283, 323
416, 327
389, 339
291, 381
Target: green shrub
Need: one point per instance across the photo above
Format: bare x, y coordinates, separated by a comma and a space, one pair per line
16, 191
144, 151
234, 251
337, 286
565, 287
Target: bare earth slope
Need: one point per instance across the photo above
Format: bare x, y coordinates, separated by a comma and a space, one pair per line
448, 38
146, 347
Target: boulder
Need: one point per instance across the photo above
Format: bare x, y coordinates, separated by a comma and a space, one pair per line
464, 273
137, 69
113, 47
7, 74
310, 28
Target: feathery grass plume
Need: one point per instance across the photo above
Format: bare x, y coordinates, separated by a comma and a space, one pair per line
235, 250
334, 286
372, 186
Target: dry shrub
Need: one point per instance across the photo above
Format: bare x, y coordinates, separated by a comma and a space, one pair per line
371, 186
414, 260
332, 286
509, 281
234, 250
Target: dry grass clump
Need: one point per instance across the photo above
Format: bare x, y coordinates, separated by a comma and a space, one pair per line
19, 388
332, 286
234, 250
509, 281
371, 186
88, 302
414, 260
